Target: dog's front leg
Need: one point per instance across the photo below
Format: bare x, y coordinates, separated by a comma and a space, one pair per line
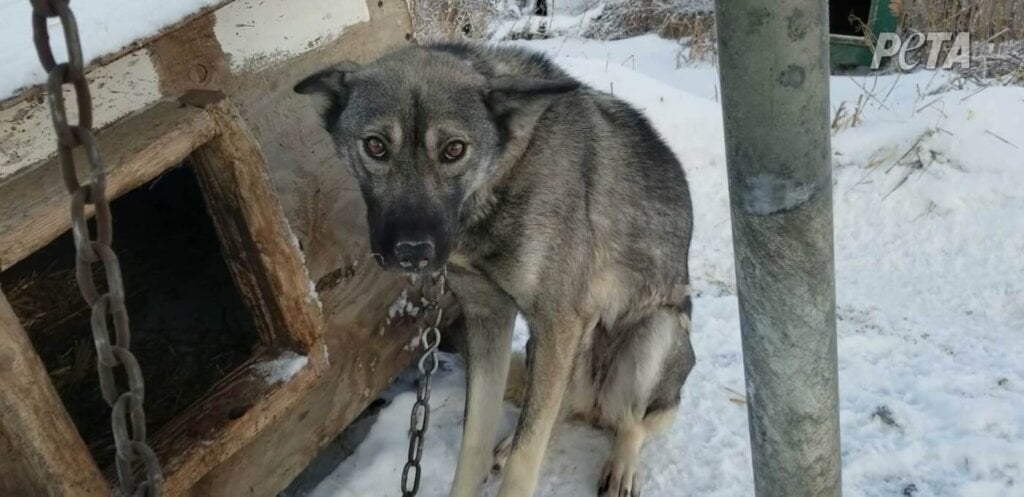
556, 338
490, 318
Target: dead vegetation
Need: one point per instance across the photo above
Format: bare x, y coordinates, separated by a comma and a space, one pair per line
672, 19
996, 28
849, 116
452, 19
982, 18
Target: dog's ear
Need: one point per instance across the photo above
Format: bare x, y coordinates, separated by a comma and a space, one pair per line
514, 102
330, 80
512, 87
331, 85
506, 94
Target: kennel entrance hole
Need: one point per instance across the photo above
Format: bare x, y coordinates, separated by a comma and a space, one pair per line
847, 17
190, 326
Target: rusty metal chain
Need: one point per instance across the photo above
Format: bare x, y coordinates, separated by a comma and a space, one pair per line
433, 289
130, 444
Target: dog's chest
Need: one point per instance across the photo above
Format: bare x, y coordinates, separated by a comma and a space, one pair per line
502, 264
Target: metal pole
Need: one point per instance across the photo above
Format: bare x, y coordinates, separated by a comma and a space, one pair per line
773, 62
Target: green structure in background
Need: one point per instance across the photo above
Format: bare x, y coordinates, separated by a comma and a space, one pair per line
851, 45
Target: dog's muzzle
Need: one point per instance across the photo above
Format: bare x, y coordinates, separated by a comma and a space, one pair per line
414, 255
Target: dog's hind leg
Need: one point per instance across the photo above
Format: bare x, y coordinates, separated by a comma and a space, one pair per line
621, 473
641, 394
490, 319
556, 337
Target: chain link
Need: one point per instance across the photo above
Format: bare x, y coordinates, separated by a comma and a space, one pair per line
127, 406
433, 289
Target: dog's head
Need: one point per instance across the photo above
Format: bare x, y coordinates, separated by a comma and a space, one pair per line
421, 130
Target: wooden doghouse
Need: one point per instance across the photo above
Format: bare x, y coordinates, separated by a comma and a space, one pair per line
212, 182
257, 247
854, 26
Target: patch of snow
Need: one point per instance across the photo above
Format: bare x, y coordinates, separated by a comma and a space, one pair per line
255, 32
311, 293
281, 368
767, 193
533, 25
402, 306
929, 232
414, 343
105, 26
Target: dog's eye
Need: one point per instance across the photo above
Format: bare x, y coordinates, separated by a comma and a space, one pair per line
453, 151
375, 147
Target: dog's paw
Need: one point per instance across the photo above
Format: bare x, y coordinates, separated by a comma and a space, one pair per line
620, 478
501, 453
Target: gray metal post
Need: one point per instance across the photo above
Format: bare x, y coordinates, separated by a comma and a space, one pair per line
773, 61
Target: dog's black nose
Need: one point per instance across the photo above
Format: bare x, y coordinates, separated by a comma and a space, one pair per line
413, 256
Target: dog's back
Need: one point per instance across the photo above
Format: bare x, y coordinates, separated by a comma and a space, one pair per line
597, 171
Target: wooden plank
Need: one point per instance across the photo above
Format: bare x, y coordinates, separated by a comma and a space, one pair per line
267, 266
258, 245
15, 475
327, 211
39, 90
34, 204
236, 410
365, 357
35, 425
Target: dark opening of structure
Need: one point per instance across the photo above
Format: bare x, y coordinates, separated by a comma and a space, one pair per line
848, 17
189, 324
541, 8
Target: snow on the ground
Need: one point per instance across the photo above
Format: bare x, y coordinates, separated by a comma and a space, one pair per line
105, 26
536, 26
929, 230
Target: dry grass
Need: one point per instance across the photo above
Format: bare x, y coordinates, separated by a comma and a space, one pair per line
451, 19
46, 300
849, 116
669, 18
692, 22
996, 28
696, 35
982, 18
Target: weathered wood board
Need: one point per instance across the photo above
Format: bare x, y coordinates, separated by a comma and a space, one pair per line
47, 457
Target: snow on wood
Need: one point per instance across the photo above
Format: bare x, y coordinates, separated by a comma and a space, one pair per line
26, 135
253, 35
105, 27
281, 368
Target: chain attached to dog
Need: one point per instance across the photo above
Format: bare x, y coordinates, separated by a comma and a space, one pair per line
433, 288
133, 452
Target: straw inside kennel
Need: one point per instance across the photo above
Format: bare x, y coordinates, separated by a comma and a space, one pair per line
216, 291
190, 326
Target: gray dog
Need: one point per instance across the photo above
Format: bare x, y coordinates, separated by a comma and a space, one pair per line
544, 197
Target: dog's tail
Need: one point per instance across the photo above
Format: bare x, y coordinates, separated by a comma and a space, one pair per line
515, 385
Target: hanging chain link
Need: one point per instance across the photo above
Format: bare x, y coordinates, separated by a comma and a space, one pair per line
433, 289
130, 444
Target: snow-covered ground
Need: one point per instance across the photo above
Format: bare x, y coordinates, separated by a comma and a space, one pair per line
929, 230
